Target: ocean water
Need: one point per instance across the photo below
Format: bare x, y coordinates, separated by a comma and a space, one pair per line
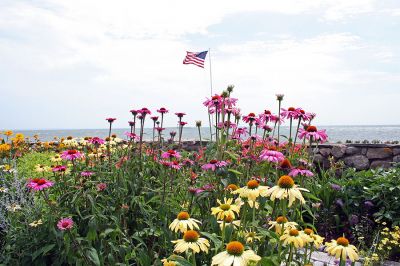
335, 133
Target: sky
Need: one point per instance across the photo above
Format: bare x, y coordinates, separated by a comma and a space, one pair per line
68, 64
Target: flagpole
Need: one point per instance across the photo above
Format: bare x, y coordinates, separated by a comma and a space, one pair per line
211, 83
211, 90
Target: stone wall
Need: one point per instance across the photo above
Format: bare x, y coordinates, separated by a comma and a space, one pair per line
359, 156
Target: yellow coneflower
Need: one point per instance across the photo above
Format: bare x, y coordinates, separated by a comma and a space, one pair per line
286, 189
236, 255
167, 262
229, 221
191, 240
341, 248
225, 209
281, 224
36, 223
5, 147
183, 222
251, 236
293, 236
56, 158
313, 238
8, 133
40, 168
252, 190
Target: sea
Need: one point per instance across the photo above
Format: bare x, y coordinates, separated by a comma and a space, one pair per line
370, 133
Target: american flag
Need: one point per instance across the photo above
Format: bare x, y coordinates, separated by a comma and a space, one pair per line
195, 58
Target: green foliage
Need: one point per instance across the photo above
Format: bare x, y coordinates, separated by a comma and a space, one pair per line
27, 163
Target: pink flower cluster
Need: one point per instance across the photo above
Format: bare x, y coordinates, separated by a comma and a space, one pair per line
39, 184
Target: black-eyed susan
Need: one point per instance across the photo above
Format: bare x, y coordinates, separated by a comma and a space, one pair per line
191, 241
341, 248
235, 255
252, 190
227, 208
295, 237
286, 189
183, 222
281, 224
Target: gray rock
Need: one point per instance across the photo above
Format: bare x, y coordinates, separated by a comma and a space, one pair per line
353, 150
338, 151
396, 159
360, 162
364, 151
380, 164
379, 153
325, 152
321, 160
396, 151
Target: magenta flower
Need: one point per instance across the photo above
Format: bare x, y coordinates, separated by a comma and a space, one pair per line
39, 184
144, 111
213, 165
132, 136
180, 115
312, 133
171, 154
172, 133
131, 123
59, 168
134, 112
175, 165
87, 173
182, 123
96, 141
71, 155
154, 118
101, 186
291, 112
249, 118
110, 120
162, 110
272, 156
65, 224
300, 171
160, 129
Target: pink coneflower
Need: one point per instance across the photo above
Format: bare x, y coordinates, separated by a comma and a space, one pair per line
175, 165
162, 110
65, 224
87, 173
71, 155
96, 141
59, 168
304, 116
160, 129
39, 184
144, 111
182, 123
101, 186
300, 171
172, 134
154, 118
291, 112
171, 154
132, 136
312, 132
249, 118
272, 156
180, 115
214, 164
134, 112
187, 162
241, 131
131, 123
110, 120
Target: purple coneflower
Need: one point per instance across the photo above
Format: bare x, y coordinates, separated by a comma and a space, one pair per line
213, 165
65, 224
101, 186
312, 132
162, 110
272, 156
96, 141
110, 120
87, 173
39, 184
71, 155
171, 154
300, 171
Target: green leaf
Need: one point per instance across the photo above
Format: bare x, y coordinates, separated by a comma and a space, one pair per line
42, 251
235, 171
214, 238
182, 261
93, 256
